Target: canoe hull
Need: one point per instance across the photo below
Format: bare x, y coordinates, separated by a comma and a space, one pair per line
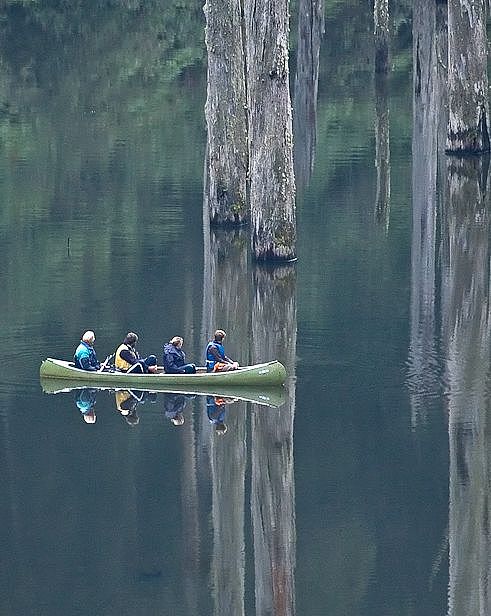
271, 395
268, 374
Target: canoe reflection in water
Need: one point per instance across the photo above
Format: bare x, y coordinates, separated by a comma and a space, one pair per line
127, 401
216, 409
174, 405
85, 400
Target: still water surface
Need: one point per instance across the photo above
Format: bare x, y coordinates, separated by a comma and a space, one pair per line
348, 497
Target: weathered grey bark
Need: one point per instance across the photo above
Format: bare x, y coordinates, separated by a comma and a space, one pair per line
429, 134
468, 126
382, 151
273, 490
272, 183
226, 116
310, 30
381, 35
466, 336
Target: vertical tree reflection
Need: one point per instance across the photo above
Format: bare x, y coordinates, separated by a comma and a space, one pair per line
227, 307
466, 337
273, 491
310, 30
382, 150
429, 134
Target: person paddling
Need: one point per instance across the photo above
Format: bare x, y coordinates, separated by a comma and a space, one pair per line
127, 358
216, 360
85, 356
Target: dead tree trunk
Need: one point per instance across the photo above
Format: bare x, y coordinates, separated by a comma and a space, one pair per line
468, 127
226, 118
272, 183
381, 33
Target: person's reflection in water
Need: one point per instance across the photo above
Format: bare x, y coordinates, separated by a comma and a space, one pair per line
216, 410
85, 400
126, 402
174, 405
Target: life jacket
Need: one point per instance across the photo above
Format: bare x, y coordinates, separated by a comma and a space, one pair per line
210, 359
119, 362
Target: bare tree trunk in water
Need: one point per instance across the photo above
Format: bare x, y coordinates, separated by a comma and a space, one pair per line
273, 489
468, 127
466, 336
226, 115
382, 151
272, 183
381, 33
310, 30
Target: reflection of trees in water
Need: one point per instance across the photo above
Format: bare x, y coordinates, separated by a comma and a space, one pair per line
466, 335
381, 35
310, 30
228, 455
429, 127
382, 151
382, 147
226, 306
274, 330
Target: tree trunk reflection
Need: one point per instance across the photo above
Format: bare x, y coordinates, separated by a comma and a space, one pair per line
273, 490
310, 30
429, 133
226, 307
382, 151
466, 336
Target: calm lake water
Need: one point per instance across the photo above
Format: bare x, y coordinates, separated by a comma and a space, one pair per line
363, 488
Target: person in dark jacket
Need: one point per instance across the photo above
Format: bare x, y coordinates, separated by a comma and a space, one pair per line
85, 357
174, 358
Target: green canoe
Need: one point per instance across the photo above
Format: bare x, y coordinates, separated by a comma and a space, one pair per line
261, 375
273, 396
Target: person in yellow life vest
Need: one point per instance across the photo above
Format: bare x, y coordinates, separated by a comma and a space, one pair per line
127, 358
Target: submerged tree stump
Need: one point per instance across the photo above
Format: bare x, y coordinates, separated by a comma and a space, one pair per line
468, 127
226, 117
272, 183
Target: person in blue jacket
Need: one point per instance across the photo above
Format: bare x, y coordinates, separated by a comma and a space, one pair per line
216, 360
174, 358
85, 356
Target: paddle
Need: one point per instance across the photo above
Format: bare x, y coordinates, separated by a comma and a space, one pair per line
104, 364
